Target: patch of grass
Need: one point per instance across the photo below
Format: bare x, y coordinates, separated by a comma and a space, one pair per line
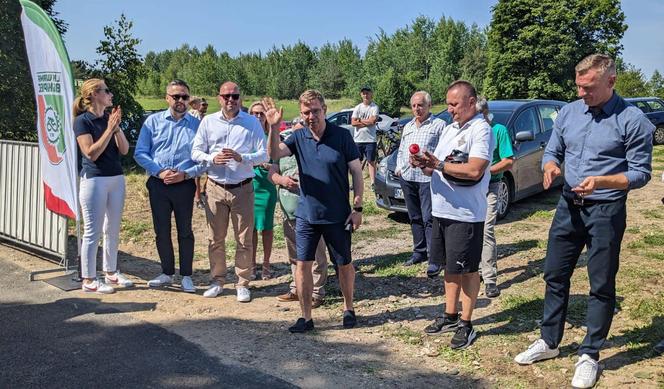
406, 335
523, 308
133, 230
525, 244
541, 215
464, 358
370, 208
633, 230
653, 255
647, 308
391, 266
652, 214
637, 244
654, 239
364, 233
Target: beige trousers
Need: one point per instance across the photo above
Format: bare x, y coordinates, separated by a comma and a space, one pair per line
319, 268
237, 206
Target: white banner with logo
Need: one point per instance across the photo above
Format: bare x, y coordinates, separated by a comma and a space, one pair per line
52, 79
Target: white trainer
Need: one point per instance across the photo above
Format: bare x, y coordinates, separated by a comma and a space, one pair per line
187, 284
160, 280
213, 291
97, 286
585, 375
118, 279
243, 294
538, 351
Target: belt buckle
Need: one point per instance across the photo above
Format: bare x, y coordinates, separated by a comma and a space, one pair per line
577, 200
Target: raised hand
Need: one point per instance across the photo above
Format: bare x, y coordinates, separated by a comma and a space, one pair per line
272, 114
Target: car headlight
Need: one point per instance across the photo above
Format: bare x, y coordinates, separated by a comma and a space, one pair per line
382, 167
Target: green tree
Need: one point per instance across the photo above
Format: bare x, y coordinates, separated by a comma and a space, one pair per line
120, 65
630, 82
534, 44
389, 96
656, 85
18, 114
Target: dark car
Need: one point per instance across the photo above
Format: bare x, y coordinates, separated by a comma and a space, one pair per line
653, 107
529, 122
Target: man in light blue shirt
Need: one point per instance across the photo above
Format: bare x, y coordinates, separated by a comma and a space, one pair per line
230, 142
164, 151
606, 145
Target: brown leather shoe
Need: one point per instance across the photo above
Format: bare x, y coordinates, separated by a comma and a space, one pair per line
317, 302
288, 297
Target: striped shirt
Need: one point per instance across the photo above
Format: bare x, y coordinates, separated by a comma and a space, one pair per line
426, 136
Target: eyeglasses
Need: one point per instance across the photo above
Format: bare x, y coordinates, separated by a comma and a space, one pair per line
180, 97
105, 90
313, 112
258, 113
228, 96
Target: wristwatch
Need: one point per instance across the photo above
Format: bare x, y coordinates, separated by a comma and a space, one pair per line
357, 209
440, 166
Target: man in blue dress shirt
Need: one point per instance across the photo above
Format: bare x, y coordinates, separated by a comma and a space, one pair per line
606, 145
164, 151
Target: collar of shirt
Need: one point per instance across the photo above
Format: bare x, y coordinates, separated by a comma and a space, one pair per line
310, 135
469, 123
608, 108
167, 115
412, 125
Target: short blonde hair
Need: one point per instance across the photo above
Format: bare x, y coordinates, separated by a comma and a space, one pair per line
601, 62
84, 100
310, 95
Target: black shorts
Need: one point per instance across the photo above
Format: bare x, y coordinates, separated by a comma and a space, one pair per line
368, 151
336, 237
457, 244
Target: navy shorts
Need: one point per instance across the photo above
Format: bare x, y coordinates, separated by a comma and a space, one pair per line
368, 151
336, 237
457, 244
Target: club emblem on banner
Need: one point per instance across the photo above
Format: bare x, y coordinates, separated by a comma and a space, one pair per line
50, 110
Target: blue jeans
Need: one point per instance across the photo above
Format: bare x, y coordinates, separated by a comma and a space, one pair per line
600, 228
418, 202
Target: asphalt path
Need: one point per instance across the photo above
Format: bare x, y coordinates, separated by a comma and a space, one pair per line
49, 338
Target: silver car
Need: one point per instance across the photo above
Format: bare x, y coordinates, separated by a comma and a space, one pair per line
529, 122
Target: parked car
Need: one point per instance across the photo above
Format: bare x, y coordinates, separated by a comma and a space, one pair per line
342, 119
653, 107
529, 122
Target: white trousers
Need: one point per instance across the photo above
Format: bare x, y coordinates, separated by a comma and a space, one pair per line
102, 202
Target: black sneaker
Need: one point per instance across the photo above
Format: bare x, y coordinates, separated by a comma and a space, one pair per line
414, 261
302, 326
463, 337
434, 269
491, 291
441, 325
350, 320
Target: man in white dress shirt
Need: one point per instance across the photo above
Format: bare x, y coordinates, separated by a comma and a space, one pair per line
231, 142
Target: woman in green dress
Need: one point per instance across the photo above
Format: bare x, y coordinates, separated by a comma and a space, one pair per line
265, 200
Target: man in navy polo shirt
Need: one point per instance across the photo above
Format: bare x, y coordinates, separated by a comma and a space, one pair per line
325, 154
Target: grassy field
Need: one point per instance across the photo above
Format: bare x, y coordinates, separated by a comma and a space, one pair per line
291, 108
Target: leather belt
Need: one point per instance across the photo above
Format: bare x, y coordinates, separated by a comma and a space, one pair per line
579, 201
232, 186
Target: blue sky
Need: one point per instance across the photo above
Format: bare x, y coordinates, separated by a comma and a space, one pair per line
239, 26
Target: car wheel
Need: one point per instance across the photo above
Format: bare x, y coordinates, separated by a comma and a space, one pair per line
658, 136
504, 197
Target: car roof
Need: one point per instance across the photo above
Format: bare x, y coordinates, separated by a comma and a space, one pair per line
641, 98
510, 105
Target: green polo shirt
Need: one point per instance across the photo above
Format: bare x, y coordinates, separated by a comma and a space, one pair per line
503, 148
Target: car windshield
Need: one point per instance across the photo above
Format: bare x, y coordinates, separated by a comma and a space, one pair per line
501, 117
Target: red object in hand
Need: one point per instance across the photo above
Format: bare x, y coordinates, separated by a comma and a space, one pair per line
414, 148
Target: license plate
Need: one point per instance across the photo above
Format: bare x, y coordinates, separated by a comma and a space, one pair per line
398, 193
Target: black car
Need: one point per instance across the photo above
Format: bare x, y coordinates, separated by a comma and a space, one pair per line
653, 107
529, 122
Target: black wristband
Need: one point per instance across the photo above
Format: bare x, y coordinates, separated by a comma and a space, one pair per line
357, 209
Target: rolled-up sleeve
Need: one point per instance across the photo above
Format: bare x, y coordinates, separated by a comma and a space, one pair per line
638, 152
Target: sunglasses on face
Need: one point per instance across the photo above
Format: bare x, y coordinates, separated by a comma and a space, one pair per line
228, 96
180, 97
258, 113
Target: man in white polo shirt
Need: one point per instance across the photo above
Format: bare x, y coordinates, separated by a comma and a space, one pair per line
364, 119
459, 169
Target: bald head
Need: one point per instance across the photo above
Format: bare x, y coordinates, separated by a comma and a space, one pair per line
229, 99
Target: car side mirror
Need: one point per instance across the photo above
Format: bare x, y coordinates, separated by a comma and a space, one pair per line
524, 136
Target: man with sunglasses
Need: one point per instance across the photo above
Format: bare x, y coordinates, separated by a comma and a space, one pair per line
164, 151
230, 142
325, 154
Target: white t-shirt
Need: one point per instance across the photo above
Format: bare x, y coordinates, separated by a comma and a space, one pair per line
365, 134
455, 202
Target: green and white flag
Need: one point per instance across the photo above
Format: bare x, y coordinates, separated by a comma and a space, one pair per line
52, 79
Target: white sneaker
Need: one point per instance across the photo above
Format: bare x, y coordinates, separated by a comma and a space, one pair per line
187, 284
585, 375
160, 280
97, 286
118, 279
538, 351
243, 294
213, 291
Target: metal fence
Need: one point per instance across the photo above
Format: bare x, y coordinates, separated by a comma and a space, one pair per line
24, 219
